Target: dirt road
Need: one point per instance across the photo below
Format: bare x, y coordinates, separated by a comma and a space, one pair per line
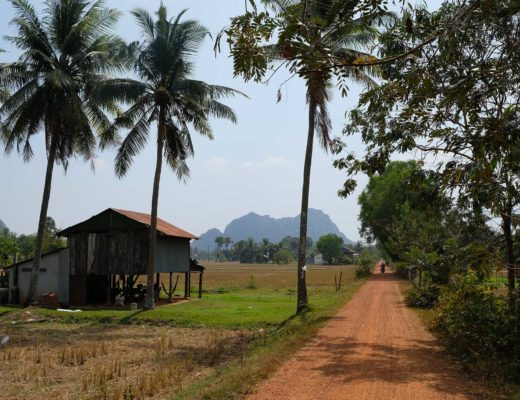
374, 349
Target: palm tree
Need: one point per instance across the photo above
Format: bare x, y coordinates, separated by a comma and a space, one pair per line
324, 34
219, 240
165, 95
65, 54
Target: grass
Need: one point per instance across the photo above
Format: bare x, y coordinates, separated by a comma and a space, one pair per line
214, 348
227, 304
236, 309
5, 310
63, 361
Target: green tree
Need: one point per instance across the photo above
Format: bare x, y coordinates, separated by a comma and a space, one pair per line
219, 241
283, 256
330, 247
167, 95
457, 98
66, 53
403, 186
247, 251
7, 248
311, 35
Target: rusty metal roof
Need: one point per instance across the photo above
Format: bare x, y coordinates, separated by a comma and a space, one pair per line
162, 226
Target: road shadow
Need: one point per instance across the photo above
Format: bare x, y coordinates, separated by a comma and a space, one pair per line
349, 361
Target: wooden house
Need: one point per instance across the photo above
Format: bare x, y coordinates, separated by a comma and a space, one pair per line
109, 251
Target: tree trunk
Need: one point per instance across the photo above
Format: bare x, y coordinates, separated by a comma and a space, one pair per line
149, 303
302, 247
33, 283
510, 259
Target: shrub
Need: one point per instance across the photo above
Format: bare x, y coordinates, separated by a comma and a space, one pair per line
365, 262
283, 256
473, 323
363, 271
426, 296
401, 269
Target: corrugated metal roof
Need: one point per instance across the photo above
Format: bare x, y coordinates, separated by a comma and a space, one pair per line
162, 226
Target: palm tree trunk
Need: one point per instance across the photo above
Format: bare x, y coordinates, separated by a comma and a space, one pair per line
33, 283
302, 247
510, 259
149, 301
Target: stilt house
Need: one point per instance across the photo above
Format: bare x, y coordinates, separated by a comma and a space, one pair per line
107, 250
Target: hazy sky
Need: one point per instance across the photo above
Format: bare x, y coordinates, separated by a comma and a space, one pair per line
255, 165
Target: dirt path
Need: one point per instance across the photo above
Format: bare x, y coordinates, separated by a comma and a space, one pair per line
374, 349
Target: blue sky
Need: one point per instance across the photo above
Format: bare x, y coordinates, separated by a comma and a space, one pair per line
255, 165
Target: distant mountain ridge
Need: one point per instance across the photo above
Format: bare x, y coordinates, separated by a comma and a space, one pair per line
2, 226
275, 229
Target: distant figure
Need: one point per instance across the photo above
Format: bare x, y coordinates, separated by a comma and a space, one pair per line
383, 265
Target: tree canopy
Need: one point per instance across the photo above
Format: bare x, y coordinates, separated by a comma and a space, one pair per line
330, 247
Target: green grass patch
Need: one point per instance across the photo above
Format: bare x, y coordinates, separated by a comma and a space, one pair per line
5, 310
237, 378
235, 309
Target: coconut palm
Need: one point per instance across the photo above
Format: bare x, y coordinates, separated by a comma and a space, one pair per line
167, 96
65, 53
321, 32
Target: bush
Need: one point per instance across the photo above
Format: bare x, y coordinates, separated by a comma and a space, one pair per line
401, 269
365, 262
363, 271
283, 256
426, 296
473, 323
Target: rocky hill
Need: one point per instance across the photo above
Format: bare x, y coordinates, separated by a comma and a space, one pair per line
275, 229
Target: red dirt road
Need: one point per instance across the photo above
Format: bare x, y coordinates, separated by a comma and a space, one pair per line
374, 349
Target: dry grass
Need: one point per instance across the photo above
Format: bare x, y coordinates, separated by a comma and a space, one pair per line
43, 361
266, 276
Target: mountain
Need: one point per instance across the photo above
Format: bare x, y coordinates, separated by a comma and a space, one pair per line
208, 239
2, 226
275, 229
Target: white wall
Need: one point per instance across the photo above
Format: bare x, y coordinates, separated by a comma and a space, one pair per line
53, 277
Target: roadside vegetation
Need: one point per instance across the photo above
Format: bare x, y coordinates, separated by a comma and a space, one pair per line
449, 223
453, 260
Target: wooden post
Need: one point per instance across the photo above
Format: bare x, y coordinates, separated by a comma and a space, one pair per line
170, 291
109, 281
186, 285
158, 285
339, 283
200, 284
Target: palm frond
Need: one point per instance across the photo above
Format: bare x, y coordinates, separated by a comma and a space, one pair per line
133, 143
145, 22
178, 148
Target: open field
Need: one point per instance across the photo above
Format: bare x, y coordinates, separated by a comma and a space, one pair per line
265, 276
237, 296
44, 361
204, 348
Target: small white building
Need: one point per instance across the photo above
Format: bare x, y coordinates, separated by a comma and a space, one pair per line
53, 277
316, 259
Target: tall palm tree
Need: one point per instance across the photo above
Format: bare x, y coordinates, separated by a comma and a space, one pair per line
167, 96
65, 53
321, 31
